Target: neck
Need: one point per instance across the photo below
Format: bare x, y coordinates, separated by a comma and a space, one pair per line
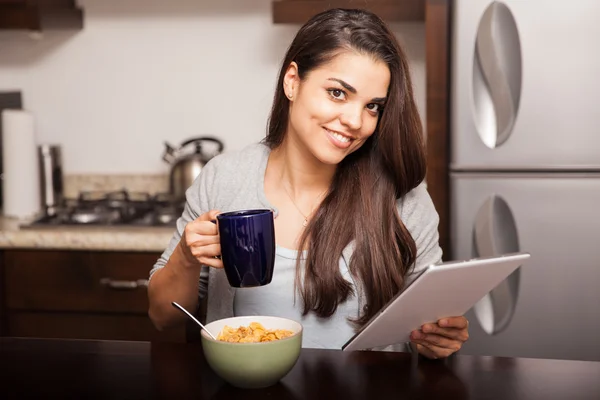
307, 177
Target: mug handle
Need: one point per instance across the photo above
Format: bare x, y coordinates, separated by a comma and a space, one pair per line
214, 221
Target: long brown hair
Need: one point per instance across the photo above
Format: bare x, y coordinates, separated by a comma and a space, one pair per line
361, 204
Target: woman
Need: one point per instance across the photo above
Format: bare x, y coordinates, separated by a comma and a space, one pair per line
341, 166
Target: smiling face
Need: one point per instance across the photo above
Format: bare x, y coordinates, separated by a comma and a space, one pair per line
336, 107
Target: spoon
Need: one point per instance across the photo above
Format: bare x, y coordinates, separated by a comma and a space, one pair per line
192, 317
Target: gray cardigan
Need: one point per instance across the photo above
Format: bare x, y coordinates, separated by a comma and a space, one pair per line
235, 181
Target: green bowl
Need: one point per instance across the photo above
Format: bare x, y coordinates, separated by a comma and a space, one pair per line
252, 365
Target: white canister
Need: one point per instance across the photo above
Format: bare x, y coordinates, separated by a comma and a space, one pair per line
21, 187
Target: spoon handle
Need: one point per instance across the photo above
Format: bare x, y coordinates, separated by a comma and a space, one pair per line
193, 318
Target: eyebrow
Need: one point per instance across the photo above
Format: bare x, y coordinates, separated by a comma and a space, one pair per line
352, 89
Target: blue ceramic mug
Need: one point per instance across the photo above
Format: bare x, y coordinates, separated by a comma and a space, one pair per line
247, 246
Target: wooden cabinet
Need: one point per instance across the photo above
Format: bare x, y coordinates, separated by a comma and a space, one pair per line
437, 63
300, 11
39, 15
78, 294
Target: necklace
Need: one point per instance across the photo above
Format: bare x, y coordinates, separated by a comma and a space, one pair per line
305, 223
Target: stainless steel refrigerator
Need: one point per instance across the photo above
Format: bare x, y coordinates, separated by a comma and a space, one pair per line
525, 171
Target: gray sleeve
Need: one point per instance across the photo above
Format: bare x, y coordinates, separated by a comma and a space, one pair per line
198, 201
421, 219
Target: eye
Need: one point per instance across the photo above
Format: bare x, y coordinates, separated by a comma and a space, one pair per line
337, 94
374, 107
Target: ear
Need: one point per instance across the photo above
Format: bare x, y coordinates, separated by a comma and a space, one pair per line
291, 81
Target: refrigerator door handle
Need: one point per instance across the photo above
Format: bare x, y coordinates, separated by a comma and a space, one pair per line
495, 233
497, 74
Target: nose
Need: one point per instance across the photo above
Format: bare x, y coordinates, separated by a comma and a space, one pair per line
352, 117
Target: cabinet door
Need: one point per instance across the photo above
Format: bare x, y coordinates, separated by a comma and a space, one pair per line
3, 316
49, 280
105, 326
79, 294
78, 281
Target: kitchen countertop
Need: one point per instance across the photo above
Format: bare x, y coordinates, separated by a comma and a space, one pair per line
127, 238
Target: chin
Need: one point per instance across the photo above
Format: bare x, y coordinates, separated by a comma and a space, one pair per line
330, 157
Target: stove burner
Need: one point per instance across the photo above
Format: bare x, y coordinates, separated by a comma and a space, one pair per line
116, 208
166, 215
94, 216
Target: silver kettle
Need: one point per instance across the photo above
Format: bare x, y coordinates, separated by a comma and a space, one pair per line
187, 161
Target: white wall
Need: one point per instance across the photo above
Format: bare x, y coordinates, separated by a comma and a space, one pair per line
142, 72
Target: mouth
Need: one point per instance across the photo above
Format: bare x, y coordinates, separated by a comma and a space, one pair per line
338, 139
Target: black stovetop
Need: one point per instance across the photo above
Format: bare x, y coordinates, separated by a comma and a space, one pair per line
118, 208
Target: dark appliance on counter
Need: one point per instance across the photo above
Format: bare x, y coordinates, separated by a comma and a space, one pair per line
119, 208
51, 178
8, 100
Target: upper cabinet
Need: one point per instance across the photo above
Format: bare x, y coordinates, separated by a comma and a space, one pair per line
39, 15
299, 11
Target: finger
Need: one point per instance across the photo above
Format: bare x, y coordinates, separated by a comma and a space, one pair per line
208, 255
196, 240
437, 340
201, 227
432, 351
452, 333
209, 251
209, 216
211, 262
454, 322
425, 351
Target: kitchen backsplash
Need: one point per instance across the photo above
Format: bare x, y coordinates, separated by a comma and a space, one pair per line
151, 183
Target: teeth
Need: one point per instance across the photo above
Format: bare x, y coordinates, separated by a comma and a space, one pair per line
339, 137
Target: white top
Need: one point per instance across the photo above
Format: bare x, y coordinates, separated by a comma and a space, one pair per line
276, 299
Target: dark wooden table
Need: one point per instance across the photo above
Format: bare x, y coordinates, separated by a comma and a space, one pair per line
74, 369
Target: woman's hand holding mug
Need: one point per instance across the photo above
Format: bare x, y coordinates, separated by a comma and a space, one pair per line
242, 242
200, 241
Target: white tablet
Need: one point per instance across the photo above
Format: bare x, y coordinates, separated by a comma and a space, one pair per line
443, 290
